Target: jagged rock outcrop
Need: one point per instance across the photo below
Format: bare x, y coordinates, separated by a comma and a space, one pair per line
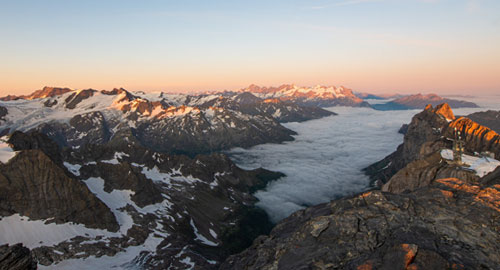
16, 257
418, 162
477, 138
490, 119
425, 126
419, 101
448, 225
32, 185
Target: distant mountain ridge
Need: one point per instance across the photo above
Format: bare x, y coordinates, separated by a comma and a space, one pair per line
173, 123
42, 93
323, 96
420, 101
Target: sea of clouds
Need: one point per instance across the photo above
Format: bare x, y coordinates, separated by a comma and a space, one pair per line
326, 158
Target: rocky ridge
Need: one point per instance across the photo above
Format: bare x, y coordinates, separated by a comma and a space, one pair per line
490, 118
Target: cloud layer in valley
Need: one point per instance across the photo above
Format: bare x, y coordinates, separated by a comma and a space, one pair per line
325, 160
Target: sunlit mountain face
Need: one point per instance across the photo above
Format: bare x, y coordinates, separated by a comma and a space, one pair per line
326, 134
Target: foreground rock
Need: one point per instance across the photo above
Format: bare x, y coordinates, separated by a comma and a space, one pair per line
448, 225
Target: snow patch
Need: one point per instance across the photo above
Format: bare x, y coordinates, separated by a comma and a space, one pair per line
481, 165
200, 237
6, 152
35, 233
73, 168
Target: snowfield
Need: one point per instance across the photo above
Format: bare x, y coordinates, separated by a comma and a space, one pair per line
481, 165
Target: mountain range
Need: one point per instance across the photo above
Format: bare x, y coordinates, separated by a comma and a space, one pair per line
150, 186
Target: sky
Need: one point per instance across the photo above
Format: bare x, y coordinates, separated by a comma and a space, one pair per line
378, 46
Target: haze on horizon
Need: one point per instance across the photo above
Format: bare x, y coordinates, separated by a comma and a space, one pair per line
377, 46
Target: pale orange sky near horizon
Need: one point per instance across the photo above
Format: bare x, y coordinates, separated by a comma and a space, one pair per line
375, 46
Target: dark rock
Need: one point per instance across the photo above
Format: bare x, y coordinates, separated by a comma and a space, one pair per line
3, 112
490, 119
35, 140
77, 97
443, 226
32, 185
404, 129
194, 134
124, 176
16, 257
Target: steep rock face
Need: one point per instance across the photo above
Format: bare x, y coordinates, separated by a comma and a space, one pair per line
490, 119
449, 225
16, 257
417, 162
477, 138
424, 127
420, 101
32, 185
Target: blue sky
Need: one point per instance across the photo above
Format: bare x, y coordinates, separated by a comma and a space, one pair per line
449, 46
